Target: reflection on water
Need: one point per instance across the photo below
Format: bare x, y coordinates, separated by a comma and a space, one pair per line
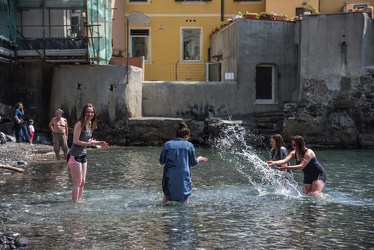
230, 207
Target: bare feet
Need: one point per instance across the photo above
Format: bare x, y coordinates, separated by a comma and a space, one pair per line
164, 199
187, 201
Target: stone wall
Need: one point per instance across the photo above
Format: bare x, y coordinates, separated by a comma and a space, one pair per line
190, 100
334, 118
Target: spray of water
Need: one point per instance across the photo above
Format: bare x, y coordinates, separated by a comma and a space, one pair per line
233, 146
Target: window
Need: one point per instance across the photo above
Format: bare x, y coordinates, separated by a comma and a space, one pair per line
265, 83
139, 43
300, 11
77, 22
191, 44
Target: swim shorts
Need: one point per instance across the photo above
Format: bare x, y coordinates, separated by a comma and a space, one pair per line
311, 178
76, 159
59, 139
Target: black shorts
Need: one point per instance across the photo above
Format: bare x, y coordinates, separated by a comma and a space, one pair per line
309, 179
76, 159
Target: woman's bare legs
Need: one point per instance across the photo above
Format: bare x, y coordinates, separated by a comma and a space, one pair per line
83, 180
315, 189
78, 176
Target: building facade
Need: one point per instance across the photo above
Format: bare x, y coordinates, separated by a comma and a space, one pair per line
174, 35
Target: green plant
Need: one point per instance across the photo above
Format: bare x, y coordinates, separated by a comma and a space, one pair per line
266, 15
249, 13
310, 8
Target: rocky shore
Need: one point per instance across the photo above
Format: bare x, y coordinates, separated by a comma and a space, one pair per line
20, 156
10, 240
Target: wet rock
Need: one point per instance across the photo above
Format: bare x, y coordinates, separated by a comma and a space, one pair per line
9, 240
21, 241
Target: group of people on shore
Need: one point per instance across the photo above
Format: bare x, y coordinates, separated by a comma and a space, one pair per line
177, 156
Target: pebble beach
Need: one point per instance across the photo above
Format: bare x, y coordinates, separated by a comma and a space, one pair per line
17, 154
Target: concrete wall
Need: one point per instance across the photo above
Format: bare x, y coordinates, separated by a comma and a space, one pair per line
103, 86
190, 99
272, 43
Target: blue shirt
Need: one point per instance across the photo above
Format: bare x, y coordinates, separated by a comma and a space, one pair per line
178, 155
19, 114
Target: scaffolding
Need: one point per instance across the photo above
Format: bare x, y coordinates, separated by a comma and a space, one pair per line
59, 31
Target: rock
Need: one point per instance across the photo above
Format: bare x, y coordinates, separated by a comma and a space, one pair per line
21, 241
9, 240
21, 163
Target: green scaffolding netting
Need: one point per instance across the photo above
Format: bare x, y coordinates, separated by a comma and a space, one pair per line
99, 31
8, 20
98, 23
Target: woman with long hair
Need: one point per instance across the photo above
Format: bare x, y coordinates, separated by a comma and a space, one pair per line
76, 158
20, 129
306, 160
279, 152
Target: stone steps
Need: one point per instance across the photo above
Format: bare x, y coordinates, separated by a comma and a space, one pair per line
269, 123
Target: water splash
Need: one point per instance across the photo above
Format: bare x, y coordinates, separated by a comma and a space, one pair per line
233, 144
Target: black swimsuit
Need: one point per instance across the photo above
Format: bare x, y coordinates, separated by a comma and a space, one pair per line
314, 171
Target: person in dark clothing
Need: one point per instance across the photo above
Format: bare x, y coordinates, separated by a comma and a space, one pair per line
19, 124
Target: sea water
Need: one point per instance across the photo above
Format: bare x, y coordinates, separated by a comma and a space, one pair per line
237, 202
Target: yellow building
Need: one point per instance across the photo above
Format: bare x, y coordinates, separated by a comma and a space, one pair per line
174, 35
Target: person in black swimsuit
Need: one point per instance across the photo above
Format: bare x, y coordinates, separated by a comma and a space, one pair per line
306, 160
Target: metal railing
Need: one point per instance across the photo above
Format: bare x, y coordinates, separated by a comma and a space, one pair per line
176, 71
49, 31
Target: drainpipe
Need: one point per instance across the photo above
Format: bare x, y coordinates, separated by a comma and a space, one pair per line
127, 49
222, 10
